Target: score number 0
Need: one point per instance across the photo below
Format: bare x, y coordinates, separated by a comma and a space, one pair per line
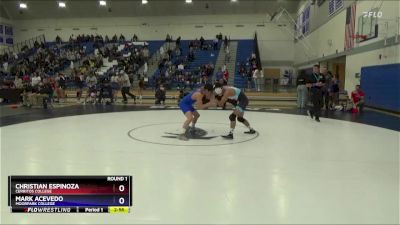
121, 188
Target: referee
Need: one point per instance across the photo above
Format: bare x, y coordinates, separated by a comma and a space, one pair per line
315, 83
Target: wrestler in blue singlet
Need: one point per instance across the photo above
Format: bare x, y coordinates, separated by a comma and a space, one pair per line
187, 103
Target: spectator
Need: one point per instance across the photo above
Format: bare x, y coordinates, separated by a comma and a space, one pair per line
227, 54
26, 78
141, 88
178, 41
335, 90
220, 74
135, 38
226, 43
326, 92
249, 79
224, 67
18, 82
168, 38
58, 40
61, 87
357, 97
46, 92
125, 84
191, 55
79, 83
215, 43
121, 38
219, 36
91, 82
27, 90
201, 42
105, 90
145, 69
146, 54
160, 95
256, 77
178, 52
36, 79
302, 91
181, 67
226, 75
114, 86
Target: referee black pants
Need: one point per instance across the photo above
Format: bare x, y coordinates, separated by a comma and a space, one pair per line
317, 101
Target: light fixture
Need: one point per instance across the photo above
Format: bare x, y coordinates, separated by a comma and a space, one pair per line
102, 3
23, 6
61, 5
144, 2
233, 0
188, 1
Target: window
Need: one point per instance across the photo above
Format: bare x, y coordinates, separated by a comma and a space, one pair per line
6, 35
1, 34
306, 20
303, 23
334, 6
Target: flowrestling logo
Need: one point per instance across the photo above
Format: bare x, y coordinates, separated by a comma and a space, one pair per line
372, 14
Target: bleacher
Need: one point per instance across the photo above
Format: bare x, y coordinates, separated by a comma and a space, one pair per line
154, 46
244, 51
201, 57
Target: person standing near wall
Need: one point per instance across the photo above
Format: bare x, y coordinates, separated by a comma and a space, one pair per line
145, 69
315, 83
302, 91
256, 76
326, 89
335, 91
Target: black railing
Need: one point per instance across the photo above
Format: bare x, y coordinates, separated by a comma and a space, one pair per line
257, 51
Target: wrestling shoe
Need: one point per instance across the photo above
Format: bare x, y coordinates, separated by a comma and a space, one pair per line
183, 137
310, 114
229, 136
251, 131
192, 131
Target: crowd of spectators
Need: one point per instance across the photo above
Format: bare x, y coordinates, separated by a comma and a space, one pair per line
174, 67
249, 71
45, 66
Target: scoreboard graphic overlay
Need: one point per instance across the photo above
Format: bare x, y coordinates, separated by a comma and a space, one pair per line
70, 194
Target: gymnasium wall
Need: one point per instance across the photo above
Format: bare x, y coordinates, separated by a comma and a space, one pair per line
330, 37
8, 22
275, 43
334, 30
354, 63
381, 86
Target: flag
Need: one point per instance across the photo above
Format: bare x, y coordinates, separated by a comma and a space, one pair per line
350, 27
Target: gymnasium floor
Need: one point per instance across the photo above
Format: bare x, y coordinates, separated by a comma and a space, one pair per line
294, 170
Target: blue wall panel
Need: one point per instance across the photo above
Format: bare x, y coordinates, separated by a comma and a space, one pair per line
381, 85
